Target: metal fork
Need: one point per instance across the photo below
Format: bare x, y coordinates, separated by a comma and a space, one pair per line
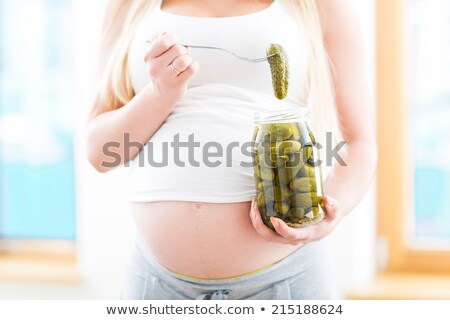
227, 51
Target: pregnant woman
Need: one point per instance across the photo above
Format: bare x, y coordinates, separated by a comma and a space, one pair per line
199, 233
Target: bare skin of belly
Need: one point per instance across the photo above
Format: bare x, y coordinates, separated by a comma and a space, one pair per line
205, 240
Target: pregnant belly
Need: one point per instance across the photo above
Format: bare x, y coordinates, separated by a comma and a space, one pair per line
205, 240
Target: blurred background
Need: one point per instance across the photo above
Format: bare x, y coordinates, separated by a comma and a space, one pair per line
65, 230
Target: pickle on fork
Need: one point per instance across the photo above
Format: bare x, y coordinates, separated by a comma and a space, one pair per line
279, 68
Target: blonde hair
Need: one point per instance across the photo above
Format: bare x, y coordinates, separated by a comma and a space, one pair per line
115, 89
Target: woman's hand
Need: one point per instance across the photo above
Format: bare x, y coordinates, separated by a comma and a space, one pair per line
297, 236
170, 66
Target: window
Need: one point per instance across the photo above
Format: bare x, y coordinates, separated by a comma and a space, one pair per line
429, 28
413, 112
37, 199
36, 158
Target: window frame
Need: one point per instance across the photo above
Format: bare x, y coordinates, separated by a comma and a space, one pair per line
394, 178
52, 261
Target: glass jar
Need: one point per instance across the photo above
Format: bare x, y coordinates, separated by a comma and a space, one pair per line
286, 165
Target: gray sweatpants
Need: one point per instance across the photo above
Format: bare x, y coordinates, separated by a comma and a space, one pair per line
307, 273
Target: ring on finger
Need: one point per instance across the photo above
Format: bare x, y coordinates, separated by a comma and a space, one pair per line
174, 69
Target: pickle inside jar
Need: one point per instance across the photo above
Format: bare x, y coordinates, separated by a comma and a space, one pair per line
288, 186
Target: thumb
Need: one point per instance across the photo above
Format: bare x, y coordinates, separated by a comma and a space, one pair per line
331, 206
253, 209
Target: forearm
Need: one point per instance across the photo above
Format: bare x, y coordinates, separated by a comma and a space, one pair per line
139, 119
348, 183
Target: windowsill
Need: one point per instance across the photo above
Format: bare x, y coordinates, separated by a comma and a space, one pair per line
39, 261
404, 286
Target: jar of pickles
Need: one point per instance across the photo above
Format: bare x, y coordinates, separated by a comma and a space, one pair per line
287, 172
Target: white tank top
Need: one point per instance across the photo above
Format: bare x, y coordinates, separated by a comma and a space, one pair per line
218, 107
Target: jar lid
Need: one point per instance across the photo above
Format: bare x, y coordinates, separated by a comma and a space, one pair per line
286, 115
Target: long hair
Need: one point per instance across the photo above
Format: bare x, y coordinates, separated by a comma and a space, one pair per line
123, 16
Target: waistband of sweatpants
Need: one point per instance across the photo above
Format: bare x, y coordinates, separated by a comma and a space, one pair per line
300, 261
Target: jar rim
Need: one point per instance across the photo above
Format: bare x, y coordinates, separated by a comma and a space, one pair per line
286, 115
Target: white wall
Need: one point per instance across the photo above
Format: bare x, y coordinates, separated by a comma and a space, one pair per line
353, 241
104, 224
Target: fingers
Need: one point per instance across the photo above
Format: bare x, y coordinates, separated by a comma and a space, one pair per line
189, 71
331, 207
160, 45
175, 52
157, 35
181, 63
265, 232
293, 235
166, 59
